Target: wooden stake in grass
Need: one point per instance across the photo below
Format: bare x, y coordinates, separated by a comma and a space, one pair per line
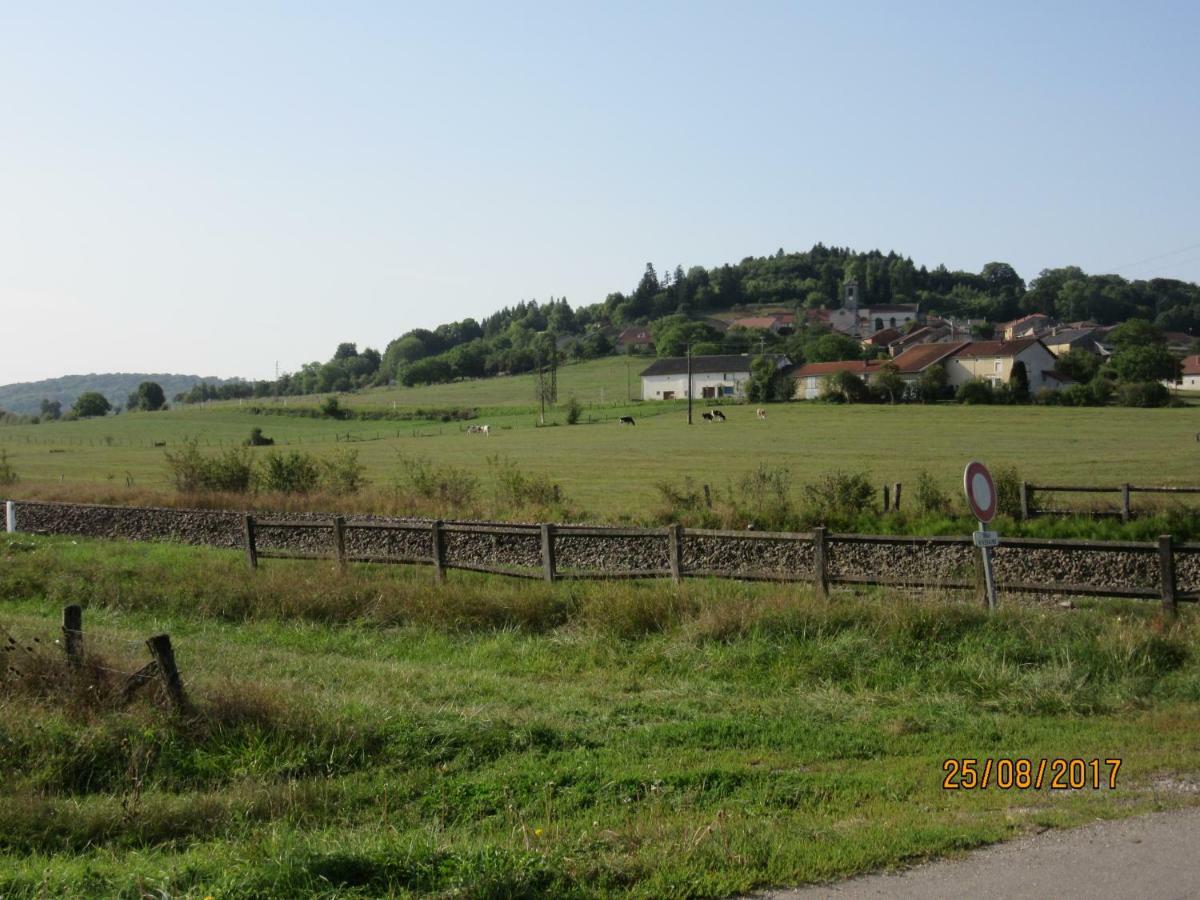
164, 656
72, 628
547, 551
251, 549
438, 550
674, 551
896, 496
339, 540
1166, 569
820, 562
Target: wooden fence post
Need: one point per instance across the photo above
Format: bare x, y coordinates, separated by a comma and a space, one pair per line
547, 551
251, 546
1126, 511
1024, 500
896, 496
708, 497
675, 551
72, 628
820, 562
438, 551
339, 540
1166, 569
164, 656
886, 498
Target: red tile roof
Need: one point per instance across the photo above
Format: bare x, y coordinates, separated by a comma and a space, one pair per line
883, 337
635, 336
857, 366
980, 349
755, 322
921, 357
1191, 365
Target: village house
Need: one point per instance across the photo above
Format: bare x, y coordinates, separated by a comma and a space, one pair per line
713, 377
637, 337
1061, 341
993, 361
1189, 379
810, 377
758, 323
1033, 325
857, 321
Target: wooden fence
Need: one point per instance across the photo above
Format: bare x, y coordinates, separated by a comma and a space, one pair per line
1125, 510
1161, 557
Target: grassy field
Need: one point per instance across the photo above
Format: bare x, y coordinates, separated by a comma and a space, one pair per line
610, 471
373, 734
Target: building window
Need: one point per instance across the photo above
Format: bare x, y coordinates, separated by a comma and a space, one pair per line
998, 365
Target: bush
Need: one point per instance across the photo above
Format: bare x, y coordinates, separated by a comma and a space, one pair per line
342, 473
975, 392
293, 473
763, 497
191, 470
929, 497
515, 489
1007, 481
7, 474
574, 410
258, 439
331, 409
685, 504
1144, 394
839, 495
448, 486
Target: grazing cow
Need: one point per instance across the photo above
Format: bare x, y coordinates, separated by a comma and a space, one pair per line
627, 420
473, 429
761, 413
707, 417
718, 415
485, 430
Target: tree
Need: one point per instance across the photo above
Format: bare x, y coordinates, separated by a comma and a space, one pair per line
888, 383
975, 391
345, 351
1018, 382
832, 348
90, 404
1079, 365
1145, 362
1135, 333
51, 409
149, 397
932, 384
844, 387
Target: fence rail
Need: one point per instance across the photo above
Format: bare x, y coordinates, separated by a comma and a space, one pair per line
1124, 510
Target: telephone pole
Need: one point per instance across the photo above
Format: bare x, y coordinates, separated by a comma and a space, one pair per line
689, 390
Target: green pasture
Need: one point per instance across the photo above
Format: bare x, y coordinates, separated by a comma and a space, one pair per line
610, 471
373, 734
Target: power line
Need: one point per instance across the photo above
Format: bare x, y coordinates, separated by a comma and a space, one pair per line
1149, 259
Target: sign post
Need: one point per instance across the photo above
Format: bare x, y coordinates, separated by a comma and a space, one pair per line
981, 497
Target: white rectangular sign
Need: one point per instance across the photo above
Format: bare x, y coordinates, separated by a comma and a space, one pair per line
986, 539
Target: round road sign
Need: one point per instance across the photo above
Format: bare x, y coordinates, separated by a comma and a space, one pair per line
981, 492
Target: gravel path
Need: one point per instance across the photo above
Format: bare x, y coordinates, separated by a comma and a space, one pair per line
1148, 857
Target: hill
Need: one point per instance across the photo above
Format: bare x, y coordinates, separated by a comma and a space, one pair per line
27, 396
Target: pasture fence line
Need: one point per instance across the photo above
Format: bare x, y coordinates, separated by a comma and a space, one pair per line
1125, 510
1164, 569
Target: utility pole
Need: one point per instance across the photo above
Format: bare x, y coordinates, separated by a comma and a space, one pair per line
689, 390
628, 382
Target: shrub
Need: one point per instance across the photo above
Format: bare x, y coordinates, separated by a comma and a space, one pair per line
191, 470
342, 473
975, 392
7, 474
1007, 481
930, 498
1143, 393
844, 387
515, 489
574, 410
292, 473
763, 497
258, 439
839, 495
681, 504
331, 409
448, 486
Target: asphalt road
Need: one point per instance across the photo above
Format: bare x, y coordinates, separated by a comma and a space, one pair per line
1156, 857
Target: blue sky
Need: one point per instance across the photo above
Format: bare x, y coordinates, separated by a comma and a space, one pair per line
214, 187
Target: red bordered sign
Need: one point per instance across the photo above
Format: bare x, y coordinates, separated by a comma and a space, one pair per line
980, 490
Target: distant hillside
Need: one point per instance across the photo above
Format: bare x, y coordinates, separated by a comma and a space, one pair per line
26, 397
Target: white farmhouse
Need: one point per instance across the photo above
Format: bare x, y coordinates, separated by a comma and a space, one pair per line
993, 361
1189, 377
713, 377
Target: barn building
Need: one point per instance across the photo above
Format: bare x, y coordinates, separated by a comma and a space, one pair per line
713, 377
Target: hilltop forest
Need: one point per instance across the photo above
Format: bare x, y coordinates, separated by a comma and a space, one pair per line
675, 303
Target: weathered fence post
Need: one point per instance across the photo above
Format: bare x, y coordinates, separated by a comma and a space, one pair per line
339, 540
547, 551
675, 551
1166, 569
1126, 512
1024, 500
164, 656
708, 497
72, 628
251, 546
896, 496
438, 551
820, 562
887, 502
10, 516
